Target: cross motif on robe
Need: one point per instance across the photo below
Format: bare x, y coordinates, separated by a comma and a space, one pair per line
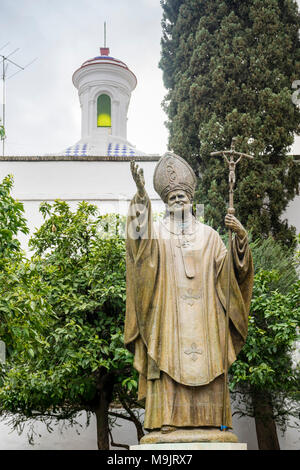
191, 296
194, 351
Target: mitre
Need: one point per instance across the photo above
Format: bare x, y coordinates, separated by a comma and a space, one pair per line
172, 173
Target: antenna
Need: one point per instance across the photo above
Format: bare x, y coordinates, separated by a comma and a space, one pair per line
104, 33
5, 63
4, 46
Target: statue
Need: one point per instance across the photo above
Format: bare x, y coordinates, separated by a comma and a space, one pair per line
177, 272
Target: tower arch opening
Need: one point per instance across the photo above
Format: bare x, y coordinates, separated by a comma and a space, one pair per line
103, 110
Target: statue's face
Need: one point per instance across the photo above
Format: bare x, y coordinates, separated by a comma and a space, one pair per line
178, 201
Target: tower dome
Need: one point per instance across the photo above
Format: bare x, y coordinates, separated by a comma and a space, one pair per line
104, 86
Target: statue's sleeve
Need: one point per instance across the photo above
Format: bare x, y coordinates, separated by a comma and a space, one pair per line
242, 258
139, 227
142, 264
241, 282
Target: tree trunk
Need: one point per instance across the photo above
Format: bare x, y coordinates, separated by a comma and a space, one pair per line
104, 386
264, 422
102, 422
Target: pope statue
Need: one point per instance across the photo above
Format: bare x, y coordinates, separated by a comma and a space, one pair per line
176, 302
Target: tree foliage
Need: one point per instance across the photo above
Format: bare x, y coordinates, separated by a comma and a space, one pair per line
12, 221
228, 67
62, 321
266, 377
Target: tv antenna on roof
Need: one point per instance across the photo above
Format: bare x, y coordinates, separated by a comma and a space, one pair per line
5, 63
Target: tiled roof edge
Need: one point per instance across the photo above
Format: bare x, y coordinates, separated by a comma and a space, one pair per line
66, 158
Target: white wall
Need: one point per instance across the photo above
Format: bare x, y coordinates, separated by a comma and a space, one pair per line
105, 182
86, 437
292, 213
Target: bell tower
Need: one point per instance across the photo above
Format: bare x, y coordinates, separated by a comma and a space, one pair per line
104, 86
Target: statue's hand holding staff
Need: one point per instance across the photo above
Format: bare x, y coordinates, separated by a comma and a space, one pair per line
235, 225
138, 176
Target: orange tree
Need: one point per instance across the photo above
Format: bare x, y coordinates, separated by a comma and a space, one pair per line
265, 378
62, 316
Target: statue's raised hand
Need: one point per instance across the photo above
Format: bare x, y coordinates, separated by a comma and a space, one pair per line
138, 176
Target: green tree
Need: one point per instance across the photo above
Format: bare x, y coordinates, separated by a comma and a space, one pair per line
12, 222
265, 379
228, 67
62, 320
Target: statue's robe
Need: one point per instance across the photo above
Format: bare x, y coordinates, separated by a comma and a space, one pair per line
175, 316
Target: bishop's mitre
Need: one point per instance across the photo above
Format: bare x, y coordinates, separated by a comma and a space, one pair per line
172, 173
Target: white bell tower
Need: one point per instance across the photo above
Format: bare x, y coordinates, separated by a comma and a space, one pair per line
104, 87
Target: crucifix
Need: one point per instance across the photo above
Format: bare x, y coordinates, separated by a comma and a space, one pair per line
229, 157
232, 165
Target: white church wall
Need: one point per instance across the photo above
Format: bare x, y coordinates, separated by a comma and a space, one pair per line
73, 179
124, 432
85, 438
292, 214
103, 181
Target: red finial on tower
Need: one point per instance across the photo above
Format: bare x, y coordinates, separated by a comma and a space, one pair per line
104, 50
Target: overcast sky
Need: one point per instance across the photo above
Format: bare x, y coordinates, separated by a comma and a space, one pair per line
42, 106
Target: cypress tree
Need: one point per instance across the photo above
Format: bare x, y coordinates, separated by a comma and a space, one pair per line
228, 67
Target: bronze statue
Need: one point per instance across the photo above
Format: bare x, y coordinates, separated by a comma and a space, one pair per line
177, 273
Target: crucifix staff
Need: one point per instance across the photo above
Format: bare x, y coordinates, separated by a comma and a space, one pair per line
229, 157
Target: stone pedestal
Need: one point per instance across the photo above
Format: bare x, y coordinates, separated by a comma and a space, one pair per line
192, 446
193, 439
